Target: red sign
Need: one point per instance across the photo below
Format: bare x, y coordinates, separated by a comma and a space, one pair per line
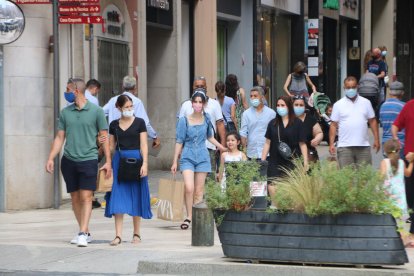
80, 19
79, 9
77, 1
32, 1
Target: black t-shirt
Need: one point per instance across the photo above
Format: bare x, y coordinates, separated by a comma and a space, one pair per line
130, 138
291, 135
308, 125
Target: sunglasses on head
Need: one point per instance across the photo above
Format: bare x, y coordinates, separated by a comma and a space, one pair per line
299, 97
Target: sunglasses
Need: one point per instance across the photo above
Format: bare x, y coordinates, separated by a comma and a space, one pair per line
298, 97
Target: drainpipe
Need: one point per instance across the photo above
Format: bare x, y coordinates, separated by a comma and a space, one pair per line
56, 182
2, 177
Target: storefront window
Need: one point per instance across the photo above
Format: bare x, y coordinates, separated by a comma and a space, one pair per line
272, 52
264, 52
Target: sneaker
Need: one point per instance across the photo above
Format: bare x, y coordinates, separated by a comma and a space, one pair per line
82, 239
89, 238
74, 240
96, 204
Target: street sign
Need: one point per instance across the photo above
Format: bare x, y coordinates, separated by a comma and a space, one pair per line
32, 1
77, 1
80, 19
79, 9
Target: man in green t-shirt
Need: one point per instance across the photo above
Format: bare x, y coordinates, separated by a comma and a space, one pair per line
80, 123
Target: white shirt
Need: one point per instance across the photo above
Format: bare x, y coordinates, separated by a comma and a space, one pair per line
139, 111
212, 108
91, 97
352, 118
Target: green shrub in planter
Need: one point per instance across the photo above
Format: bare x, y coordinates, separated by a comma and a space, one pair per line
328, 190
237, 194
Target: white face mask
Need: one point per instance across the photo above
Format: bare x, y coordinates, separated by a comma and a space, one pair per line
128, 113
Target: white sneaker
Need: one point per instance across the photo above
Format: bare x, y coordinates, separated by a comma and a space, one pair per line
74, 240
82, 239
89, 238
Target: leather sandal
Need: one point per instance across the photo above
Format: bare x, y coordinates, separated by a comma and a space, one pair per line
134, 240
114, 242
186, 224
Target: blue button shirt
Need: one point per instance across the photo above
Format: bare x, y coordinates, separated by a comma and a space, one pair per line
388, 113
253, 127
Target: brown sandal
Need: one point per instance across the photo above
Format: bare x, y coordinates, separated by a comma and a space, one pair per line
114, 242
134, 240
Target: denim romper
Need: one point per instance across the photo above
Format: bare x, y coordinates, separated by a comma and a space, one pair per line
194, 155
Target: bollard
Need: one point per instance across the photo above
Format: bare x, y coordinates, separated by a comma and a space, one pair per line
202, 229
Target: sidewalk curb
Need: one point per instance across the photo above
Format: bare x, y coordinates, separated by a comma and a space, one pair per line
239, 269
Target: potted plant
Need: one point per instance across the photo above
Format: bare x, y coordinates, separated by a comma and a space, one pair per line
328, 215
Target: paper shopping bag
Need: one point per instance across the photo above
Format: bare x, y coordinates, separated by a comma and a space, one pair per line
104, 185
171, 200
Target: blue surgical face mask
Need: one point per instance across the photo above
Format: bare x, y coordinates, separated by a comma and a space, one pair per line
350, 93
69, 97
384, 53
299, 110
282, 111
255, 102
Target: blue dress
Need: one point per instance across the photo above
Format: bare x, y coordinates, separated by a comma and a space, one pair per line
132, 197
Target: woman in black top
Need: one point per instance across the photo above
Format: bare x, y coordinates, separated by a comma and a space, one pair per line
313, 131
128, 137
291, 132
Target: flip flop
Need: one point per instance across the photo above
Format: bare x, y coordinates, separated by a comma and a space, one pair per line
114, 242
186, 224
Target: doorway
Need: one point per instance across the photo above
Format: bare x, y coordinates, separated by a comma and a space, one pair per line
112, 68
330, 75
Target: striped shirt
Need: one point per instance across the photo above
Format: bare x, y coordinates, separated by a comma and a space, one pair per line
388, 113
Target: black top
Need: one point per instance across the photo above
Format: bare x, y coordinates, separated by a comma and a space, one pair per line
130, 138
291, 135
308, 125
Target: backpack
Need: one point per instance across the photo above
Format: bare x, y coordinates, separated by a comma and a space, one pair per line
368, 85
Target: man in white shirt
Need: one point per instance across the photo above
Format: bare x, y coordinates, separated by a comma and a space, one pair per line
129, 84
212, 108
350, 115
92, 89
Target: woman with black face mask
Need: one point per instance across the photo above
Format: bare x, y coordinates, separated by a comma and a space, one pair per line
297, 82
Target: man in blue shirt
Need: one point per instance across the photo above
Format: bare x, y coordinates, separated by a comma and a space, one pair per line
254, 123
389, 112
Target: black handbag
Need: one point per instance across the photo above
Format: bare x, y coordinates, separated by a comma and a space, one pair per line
129, 168
284, 149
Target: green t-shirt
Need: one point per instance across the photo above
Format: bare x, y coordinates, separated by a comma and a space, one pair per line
81, 129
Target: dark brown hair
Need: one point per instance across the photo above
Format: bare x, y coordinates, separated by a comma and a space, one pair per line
220, 87
232, 86
291, 114
122, 100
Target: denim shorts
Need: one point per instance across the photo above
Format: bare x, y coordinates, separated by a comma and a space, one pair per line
201, 166
79, 175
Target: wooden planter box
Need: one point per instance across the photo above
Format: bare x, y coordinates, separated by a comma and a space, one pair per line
361, 239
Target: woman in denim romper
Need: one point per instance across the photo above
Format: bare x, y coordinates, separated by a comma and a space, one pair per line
191, 134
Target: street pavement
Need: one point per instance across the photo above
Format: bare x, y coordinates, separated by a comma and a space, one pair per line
36, 242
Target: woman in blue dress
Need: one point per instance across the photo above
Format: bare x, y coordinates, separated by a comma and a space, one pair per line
128, 138
191, 135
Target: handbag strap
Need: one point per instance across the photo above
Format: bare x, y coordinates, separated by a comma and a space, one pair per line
117, 140
278, 132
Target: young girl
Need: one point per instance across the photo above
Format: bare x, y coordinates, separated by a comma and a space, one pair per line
233, 155
393, 169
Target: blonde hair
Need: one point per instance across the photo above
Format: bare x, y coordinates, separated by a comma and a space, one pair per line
391, 149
